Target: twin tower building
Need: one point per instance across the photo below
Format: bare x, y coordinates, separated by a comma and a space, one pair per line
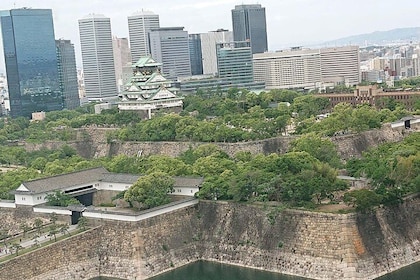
42, 74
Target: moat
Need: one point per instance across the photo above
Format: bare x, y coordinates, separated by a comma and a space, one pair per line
214, 271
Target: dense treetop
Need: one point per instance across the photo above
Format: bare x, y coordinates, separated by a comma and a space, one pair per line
305, 175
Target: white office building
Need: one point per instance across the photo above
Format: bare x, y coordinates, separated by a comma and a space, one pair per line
139, 25
208, 48
98, 58
308, 68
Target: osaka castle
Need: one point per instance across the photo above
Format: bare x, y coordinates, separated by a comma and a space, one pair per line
148, 91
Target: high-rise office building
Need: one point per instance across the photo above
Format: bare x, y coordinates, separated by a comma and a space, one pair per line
139, 25
31, 61
234, 62
122, 59
196, 58
97, 57
248, 22
67, 73
169, 46
208, 47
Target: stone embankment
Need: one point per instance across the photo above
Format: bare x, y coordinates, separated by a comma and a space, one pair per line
92, 143
308, 244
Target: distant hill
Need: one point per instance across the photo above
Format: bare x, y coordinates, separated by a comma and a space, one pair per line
399, 35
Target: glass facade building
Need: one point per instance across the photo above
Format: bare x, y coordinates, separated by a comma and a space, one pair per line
249, 24
31, 61
169, 46
67, 72
196, 58
234, 62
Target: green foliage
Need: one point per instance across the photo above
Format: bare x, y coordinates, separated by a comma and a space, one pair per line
309, 105
364, 200
394, 168
346, 119
150, 190
82, 223
59, 198
321, 149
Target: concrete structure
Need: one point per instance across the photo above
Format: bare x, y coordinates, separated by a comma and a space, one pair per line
308, 68
38, 116
208, 47
31, 61
122, 59
249, 24
139, 26
98, 58
149, 91
82, 184
169, 46
373, 96
68, 73
234, 62
196, 59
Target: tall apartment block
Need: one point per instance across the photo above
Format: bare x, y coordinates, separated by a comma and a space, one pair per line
196, 58
139, 25
169, 46
122, 60
31, 61
249, 23
208, 48
97, 57
67, 72
308, 68
234, 62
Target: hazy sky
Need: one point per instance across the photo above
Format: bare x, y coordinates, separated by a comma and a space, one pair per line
289, 22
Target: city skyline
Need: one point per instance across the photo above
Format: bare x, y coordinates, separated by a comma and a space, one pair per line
311, 20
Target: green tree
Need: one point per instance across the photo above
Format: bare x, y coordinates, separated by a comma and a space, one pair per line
38, 225
53, 230
82, 223
58, 198
150, 190
321, 149
17, 247
25, 228
364, 200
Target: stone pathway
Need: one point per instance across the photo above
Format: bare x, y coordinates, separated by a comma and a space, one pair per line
30, 242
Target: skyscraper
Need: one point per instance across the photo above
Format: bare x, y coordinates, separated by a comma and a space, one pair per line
97, 57
208, 47
234, 62
122, 59
139, 25
196, 58
67, 73
169, 46
31, 61
249, 23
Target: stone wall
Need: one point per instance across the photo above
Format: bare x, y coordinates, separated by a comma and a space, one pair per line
316, 245
92, 143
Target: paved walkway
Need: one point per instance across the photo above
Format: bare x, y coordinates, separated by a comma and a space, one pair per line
30, 242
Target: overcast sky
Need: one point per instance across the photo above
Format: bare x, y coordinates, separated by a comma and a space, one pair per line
289, 22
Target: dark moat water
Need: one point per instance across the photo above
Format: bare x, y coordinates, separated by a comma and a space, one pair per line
217, 271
